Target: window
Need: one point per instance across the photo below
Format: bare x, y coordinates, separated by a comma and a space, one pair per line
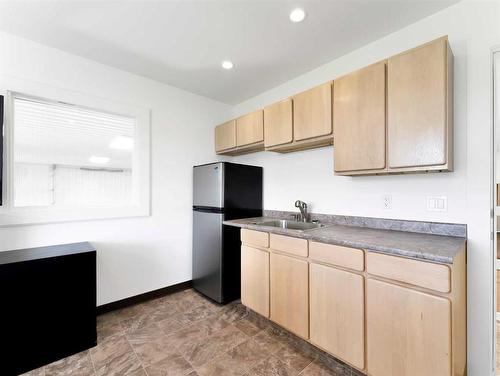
67, 158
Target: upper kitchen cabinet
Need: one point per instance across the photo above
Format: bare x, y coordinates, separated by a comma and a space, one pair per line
241, 136
420, 108
250, 129
225, 136
359, 121
278, 123
312, 115
396, 116
301, 122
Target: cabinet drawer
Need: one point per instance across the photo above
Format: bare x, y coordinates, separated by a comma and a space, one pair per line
419, 273
257, 238
345, 257
293, 246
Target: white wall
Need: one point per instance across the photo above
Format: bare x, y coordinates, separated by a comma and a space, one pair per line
141, 254
473, 29
135, 255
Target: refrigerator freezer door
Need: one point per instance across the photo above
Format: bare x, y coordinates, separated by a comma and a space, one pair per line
208, 187
207, 253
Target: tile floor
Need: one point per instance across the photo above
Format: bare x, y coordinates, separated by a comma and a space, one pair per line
185, 334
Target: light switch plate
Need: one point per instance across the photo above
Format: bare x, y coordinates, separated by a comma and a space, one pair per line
437, 203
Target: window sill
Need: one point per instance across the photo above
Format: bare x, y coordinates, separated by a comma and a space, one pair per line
34, 216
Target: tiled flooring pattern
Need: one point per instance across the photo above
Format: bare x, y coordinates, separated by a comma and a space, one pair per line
185, 334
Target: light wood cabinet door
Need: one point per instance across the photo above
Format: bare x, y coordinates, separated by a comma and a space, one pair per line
312, 113
278, 123
250, 128
359, 120
408, 332
290, 294
417, 106
337, 322
225, 136
255, 279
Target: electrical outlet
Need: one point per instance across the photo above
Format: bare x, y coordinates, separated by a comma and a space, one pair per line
437, 203
387, 202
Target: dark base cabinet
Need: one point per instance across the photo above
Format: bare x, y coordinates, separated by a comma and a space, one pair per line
47, 305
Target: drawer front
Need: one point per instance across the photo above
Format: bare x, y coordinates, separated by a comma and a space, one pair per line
256, 238
287, 244
345, 257
419, 273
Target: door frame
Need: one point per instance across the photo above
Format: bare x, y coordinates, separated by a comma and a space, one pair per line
495, 121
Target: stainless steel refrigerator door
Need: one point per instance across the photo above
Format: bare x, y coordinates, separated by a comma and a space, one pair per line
207, 253
208, 187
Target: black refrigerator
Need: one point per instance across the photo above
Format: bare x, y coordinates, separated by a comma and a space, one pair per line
221, 191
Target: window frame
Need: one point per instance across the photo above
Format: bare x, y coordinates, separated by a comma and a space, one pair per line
11, 215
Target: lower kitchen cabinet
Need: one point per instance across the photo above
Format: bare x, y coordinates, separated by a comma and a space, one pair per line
255, 279
337, 320
408, 332
385, 315
290, 294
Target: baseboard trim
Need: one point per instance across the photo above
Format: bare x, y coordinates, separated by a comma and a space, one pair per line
123, 303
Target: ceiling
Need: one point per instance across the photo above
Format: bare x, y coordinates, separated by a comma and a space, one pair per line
182, 43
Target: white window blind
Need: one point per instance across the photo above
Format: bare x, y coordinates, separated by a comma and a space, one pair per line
70, 156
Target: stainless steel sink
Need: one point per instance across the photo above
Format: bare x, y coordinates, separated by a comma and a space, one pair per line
292, 225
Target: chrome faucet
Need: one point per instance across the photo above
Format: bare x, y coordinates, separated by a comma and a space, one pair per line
303, 216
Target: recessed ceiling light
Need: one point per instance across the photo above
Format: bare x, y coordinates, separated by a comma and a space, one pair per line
226, 64
122, 143
297, 15
98, 160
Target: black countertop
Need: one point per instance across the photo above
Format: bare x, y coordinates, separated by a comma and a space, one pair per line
28, 254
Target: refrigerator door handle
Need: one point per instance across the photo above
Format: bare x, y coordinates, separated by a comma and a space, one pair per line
207, 209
